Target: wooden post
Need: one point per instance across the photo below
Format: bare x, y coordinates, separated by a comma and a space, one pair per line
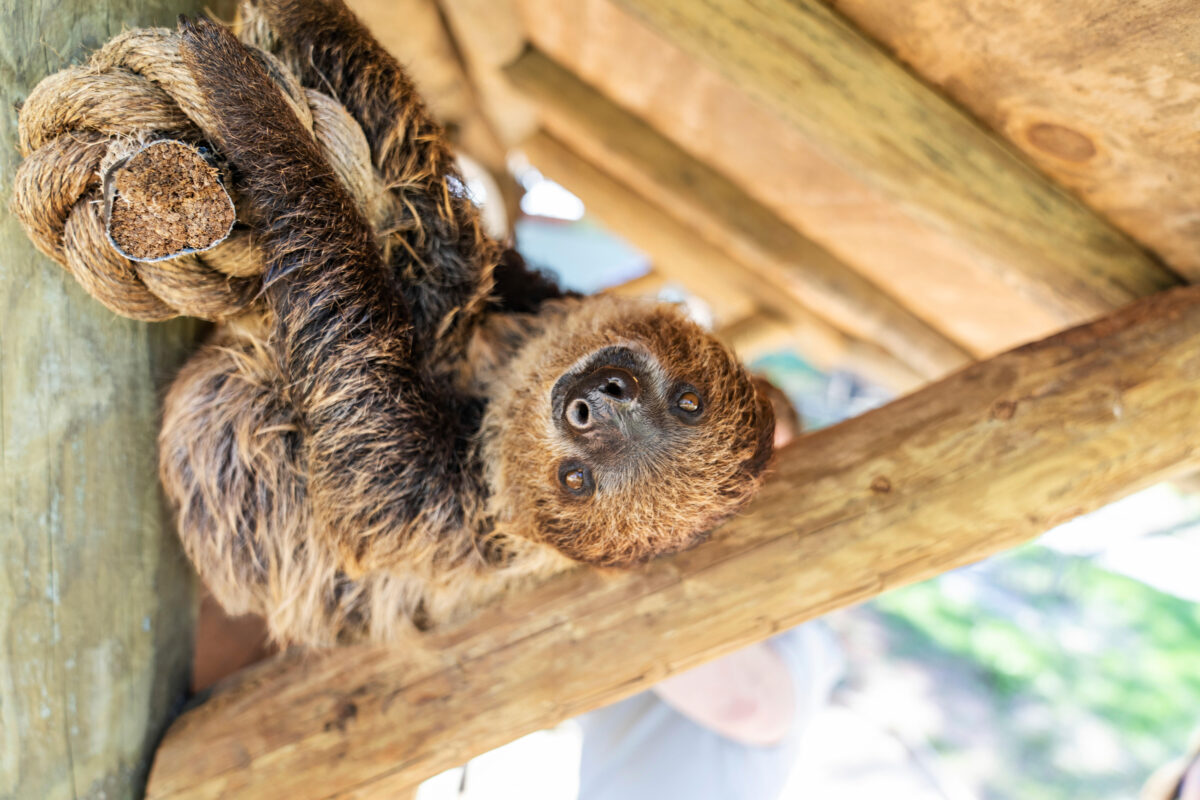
967, 467
95, 595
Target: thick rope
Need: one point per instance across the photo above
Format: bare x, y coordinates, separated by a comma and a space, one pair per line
134, 90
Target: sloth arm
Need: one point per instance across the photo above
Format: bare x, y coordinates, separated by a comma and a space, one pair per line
384, 457
438, 226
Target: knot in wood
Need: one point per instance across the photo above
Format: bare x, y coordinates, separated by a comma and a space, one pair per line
1003, 410
1061, 142
881, 485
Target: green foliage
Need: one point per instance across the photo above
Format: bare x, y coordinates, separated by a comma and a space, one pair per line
1094, 678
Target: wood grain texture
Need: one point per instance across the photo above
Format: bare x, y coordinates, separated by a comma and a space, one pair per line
719, 212
964, 468
949, 282
678, 252
95, 593
1101, 95
489, 34
814, 70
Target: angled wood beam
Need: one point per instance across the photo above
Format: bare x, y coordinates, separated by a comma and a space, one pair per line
727, 307
976, 463
414, 32
729, 219
940, 278
815, 70
677, 252
1098, 93
489, 34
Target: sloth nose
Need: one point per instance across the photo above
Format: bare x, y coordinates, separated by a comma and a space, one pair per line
598, 396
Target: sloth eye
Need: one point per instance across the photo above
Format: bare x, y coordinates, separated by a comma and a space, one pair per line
688, 406
576, 479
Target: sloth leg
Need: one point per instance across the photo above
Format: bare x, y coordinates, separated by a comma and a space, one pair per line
386, 450
231, 462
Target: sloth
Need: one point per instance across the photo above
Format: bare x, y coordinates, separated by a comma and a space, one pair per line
414, 423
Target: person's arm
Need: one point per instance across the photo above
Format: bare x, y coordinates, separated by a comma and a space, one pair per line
1189, 787
747, 696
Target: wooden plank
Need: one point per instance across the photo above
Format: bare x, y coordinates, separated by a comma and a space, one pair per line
489, 34
725, 303
95, 593
964, 468
1101, 95
946, 280
819, 73
678, 252
718, 210
413, 32
815, 71
479, 124
708, 116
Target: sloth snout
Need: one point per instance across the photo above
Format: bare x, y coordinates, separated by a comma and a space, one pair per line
599, 396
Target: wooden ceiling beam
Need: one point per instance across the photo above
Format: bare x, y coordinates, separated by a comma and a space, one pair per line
726, 303
964, 468
709, 116
413, 31
1100, 94
489, 34
817, 72
717, 210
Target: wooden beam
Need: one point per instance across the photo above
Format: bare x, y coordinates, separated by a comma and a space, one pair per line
817, 72
726, 303
414, 32
96, 597
677, 251
939, 277
727, 217
489, 34
969, 466
1098, 93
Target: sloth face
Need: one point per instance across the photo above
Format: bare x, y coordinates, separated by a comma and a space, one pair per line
623, 431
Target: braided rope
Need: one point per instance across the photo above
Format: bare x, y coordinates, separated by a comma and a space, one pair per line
134, 90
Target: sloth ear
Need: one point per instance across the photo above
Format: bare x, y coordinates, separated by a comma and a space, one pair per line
764, 426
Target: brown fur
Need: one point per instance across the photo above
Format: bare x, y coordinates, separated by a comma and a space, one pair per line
378, 451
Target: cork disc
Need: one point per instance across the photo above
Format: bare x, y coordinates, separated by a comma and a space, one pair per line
166, 200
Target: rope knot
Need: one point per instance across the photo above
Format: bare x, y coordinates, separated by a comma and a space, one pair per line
81, 125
